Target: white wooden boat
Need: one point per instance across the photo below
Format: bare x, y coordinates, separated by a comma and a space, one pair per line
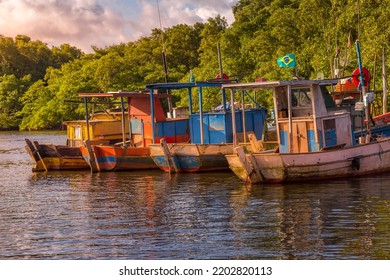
315, 137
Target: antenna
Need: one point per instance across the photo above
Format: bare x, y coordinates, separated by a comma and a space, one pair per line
164, 58
159, 19
358, 23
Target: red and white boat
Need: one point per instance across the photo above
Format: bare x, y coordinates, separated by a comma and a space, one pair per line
146, 115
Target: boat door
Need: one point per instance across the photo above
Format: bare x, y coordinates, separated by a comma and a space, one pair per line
137, 132
296, 129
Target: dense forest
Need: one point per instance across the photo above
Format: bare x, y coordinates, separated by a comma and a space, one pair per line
37, 82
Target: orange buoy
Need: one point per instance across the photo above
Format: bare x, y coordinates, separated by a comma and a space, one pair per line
224, 76
356, 76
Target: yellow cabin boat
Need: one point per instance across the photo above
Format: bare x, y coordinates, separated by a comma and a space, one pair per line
104, 128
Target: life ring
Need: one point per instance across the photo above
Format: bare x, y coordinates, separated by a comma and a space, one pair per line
224, 76
356, 76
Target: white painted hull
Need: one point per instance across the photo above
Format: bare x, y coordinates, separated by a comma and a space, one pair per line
358, 160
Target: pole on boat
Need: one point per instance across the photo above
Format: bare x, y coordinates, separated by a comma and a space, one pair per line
152, 115
87, 117
224, 99
221, 76
363, 86
92, 160
165, 65
233, 118
190, 100
243, 115
220, 62
201, 115
164, 58
123, 122
289, 107
384, 82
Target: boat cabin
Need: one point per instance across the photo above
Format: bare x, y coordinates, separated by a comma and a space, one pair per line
214, 125
137, 120
104, 128
306, 117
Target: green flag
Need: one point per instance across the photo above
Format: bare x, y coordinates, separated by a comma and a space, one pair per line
287, 61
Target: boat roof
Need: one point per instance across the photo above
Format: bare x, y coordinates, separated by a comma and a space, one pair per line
75, 122
273, 84
178, 85
114, 94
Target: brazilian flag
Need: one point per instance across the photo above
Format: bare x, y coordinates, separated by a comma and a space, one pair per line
287, 61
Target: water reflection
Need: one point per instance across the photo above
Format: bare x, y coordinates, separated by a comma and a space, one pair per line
336, 220
150, 215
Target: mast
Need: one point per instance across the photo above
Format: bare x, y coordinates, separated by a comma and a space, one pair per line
123, 122
234, 125
221, 76
363, 86
164, 58
384, 82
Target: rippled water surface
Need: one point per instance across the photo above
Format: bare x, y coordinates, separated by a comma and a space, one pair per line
149, 215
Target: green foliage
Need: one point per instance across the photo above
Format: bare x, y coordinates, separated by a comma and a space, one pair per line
35, 111
37, 82
11, 89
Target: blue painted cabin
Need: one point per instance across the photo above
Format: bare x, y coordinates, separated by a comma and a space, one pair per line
215, 126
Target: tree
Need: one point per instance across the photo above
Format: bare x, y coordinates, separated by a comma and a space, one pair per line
11, 89
316, 31
63, 54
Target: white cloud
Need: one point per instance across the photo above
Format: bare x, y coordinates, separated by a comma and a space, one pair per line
83, 23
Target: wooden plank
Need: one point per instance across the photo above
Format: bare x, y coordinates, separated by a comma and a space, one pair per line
168, 156
92, 160
36, 151
295, 138
33, 150
300, 143
255, 144
242, 157
303, 143
343, 131
256, 168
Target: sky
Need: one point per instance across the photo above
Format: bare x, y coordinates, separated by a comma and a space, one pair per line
101, 23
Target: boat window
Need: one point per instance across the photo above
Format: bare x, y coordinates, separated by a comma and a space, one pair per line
301, 97
329, 102
77, 132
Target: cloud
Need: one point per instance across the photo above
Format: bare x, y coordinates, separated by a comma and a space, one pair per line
190, 11
83, 23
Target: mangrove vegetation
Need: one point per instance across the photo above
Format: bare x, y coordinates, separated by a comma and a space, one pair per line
39, 85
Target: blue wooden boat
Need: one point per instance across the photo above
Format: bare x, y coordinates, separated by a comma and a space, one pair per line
210, 131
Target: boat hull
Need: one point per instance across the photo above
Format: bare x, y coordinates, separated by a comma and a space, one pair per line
187, 158
111, 158
55, 157
370, 158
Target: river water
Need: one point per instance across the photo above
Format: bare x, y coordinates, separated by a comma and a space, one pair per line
150, 215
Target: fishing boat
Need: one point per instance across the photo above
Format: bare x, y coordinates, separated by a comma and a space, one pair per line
210, 131
104, 127
346, 94
315, 138
146, 113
